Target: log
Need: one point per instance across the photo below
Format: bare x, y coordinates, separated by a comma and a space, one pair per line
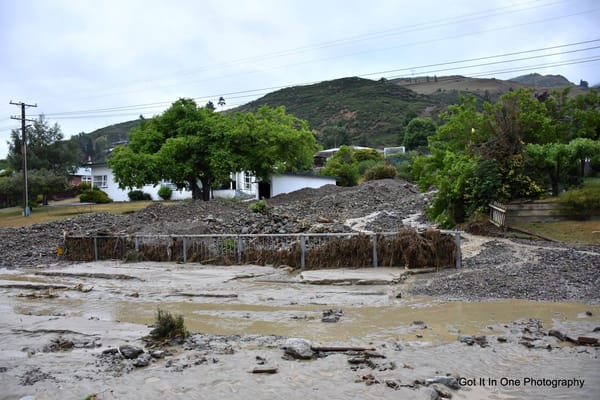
586, 340
264, 370
340, 348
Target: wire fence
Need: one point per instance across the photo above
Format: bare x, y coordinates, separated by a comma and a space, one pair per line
405, 248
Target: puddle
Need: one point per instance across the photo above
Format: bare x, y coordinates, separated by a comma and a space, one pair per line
442, 322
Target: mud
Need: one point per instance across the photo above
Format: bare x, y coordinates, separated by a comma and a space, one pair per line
62, 347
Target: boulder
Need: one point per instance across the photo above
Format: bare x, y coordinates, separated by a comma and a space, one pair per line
130, 352
298, 348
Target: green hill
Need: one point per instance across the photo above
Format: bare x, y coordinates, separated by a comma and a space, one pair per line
356, 111
95, 145
359, 111
546, 81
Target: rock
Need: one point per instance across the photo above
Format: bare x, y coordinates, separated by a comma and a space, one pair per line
597, 329
432, 394
142, 361
332, 315
157, 353
502, 339
399, 296
449, 381
481, 340
111, 350
130, 352
442, 391
392, 384
588, 313
298, 348
559, 335
468, 339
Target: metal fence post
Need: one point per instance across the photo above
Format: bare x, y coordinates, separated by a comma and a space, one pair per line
302, 251
458, 251
240, 249
95, 248
137, 244
375, 261
184, 250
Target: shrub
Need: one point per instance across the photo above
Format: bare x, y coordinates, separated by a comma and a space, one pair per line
259, 207
363, 166
165, 192
581, 203
138, 195
383, 171
94, 195
168, 326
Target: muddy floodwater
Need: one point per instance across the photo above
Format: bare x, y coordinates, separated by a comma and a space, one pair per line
239, 315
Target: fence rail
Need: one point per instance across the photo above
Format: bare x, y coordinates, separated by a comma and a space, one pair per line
405, 248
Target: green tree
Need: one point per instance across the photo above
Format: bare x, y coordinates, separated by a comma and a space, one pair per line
50, 159
343, 166
188, 145
417, 131
46, 149
270, 140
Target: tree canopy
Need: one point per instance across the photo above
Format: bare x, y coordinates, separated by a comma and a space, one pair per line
516, 148
188, 144
50, 160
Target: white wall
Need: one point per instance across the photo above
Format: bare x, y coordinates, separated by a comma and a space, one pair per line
288, 183
110, 186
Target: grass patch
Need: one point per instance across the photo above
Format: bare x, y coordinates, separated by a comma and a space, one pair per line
13, 217
168, 326
582, 232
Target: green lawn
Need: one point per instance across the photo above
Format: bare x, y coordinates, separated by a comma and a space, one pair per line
13, 217
583, 232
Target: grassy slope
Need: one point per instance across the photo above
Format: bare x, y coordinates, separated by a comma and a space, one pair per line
374, 112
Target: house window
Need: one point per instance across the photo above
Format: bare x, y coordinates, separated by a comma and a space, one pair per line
248, 181
86, 178
100, 181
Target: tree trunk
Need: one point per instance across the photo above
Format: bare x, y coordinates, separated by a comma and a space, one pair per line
206, 188
196, 191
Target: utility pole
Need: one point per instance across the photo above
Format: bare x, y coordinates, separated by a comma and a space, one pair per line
26, 210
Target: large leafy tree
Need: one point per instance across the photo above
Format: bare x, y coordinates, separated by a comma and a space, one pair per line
50, 159
417, 131
188, 145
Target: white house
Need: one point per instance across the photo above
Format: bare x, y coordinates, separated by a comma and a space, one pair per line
242, 185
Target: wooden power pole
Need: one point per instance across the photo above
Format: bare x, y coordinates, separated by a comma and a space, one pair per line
26, 210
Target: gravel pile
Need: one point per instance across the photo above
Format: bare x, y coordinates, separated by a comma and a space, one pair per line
515, 270
309, 210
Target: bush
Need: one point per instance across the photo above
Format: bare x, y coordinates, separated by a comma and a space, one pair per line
167, 326
94, 195
138, 195
383, 171
581, 203
363, 166
165, 192
259, 207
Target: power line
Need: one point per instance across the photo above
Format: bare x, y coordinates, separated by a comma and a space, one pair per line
109, 111
369, 36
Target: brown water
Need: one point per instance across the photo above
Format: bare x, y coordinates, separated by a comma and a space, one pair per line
371, 314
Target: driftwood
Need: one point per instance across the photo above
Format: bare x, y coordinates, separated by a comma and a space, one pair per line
340, 348
264, 370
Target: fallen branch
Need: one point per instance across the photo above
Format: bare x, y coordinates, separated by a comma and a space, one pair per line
264, 370
340, 348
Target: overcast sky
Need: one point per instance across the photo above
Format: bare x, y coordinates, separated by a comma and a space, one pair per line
89, 64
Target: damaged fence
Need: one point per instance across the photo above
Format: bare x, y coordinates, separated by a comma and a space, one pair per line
405, 248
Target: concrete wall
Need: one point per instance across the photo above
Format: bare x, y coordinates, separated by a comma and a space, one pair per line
289, 183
